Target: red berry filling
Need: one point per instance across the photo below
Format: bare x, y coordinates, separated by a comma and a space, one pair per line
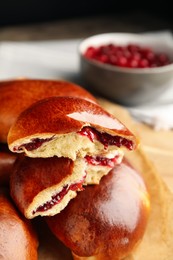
55, 199
130, 56
34, 144
91, 133
105, 138
103, 161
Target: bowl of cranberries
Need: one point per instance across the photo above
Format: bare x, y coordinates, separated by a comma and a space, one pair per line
128, 68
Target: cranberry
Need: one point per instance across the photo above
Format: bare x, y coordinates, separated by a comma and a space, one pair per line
122, 61
132, 63
113, 60
131, 56
150, 56
127, 54
163, 59
90, 53
143, 63
103, 58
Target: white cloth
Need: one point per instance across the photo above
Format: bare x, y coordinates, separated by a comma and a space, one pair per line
159, 116
59, 59
39, 59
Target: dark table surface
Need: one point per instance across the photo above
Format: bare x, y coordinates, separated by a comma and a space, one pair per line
81, 27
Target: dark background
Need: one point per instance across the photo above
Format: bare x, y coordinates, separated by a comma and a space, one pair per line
13, 12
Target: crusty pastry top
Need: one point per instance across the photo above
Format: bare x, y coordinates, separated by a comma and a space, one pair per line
63, 115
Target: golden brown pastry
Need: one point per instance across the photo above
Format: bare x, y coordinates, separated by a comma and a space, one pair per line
44, 186
105, 221
70, 127
17, 95
6, 164
18, 240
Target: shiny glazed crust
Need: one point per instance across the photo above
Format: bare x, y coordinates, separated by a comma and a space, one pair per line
33, 182
18, 240
105, 221
17, 95
62, 115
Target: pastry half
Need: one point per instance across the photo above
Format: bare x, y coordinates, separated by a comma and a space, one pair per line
105, 221
44, 186
68, 127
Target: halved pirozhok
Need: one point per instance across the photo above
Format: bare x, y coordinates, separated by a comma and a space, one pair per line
69, 127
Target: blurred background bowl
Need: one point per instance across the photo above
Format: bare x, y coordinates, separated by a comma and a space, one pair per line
128, 86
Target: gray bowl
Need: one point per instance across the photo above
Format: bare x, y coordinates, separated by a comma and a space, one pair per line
127, 86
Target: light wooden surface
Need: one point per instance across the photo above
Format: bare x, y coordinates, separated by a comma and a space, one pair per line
159, 147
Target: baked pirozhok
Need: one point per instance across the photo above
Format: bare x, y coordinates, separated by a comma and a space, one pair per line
105, 221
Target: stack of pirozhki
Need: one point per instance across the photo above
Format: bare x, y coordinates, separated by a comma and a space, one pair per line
69, 167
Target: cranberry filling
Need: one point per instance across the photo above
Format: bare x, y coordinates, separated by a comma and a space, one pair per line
58, 197
97, 160
91, 133
34, 144
105, 138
